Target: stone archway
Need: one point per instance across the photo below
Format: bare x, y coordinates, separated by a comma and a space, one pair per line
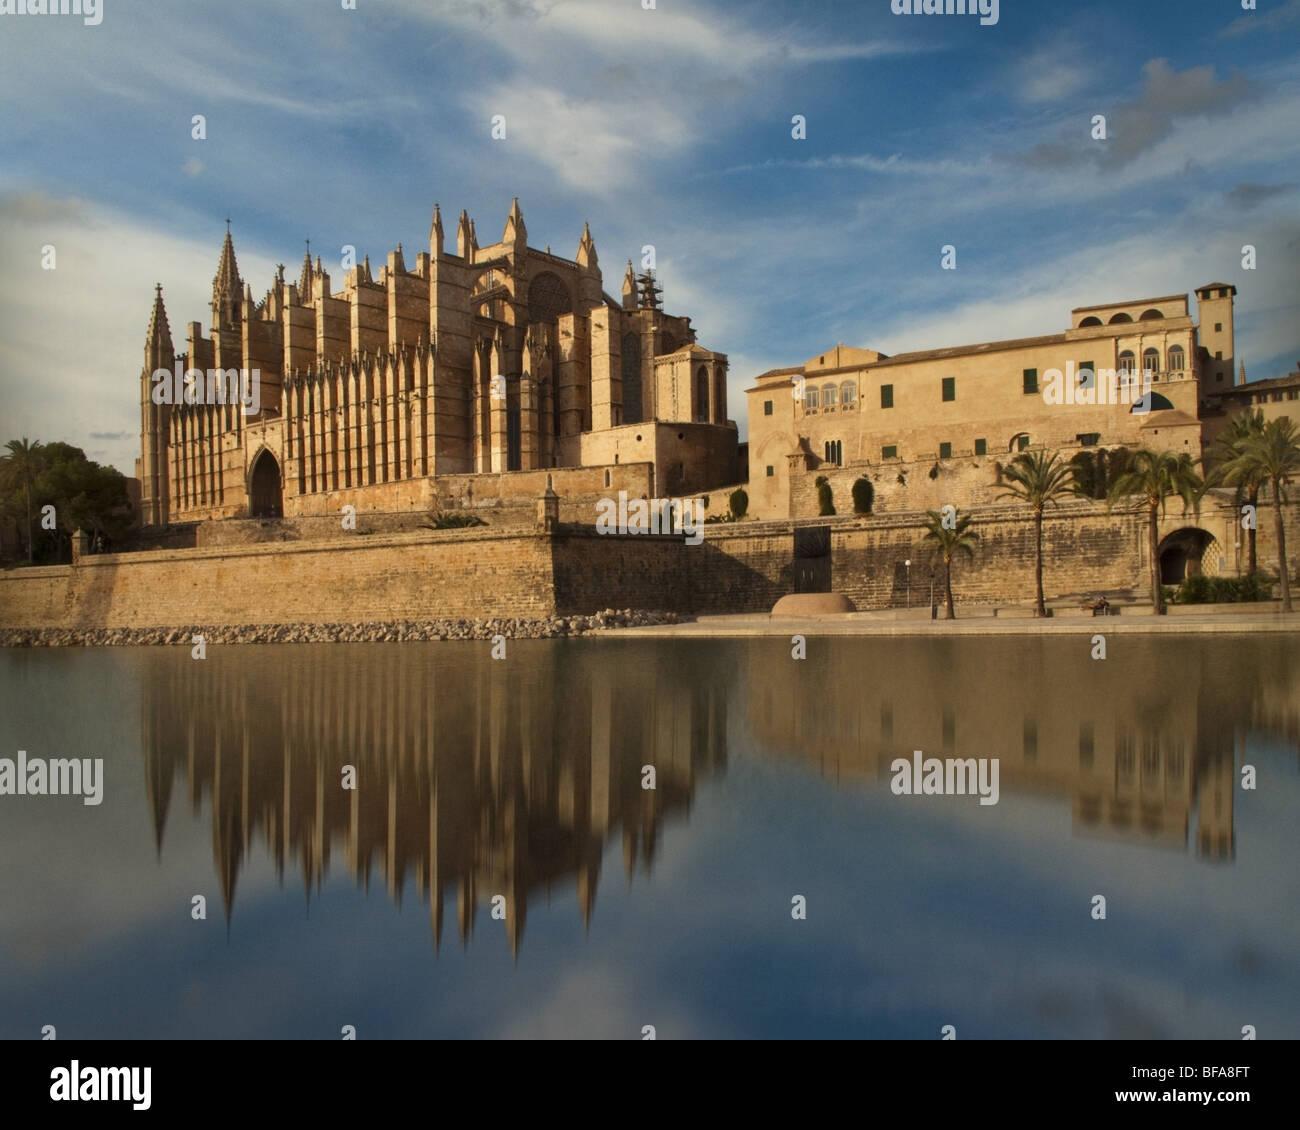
265, 499
1187, 553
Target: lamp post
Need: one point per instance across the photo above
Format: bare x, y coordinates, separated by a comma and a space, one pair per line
907, 564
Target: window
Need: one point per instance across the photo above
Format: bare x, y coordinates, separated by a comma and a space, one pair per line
1218, 327
981, 447
1086, 374
950, 388
834, 449
770, 470
890, 452
1276, 397
1176, 359
848, 394
1127, 361
767, 408
810, 399
1031, 380
830, 396
1151, 360
1218, 354
945, 451
1088, 439
886, 396
1022, 443
1293, 394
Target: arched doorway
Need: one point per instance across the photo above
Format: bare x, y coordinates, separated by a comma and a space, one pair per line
1187, 553
264, 497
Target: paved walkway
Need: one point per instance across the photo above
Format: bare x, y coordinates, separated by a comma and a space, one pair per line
976, 622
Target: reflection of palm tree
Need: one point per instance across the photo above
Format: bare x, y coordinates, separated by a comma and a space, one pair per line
1273, 456
1227, 447
1038, 479
23, 463
1155, 475
948, 541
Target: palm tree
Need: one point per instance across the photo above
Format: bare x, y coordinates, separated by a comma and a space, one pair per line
948, 542
1273, 455
1040, 480
23, 463
1156, 475
1226, 449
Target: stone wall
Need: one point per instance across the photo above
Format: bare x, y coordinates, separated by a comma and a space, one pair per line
489, 572
426, 576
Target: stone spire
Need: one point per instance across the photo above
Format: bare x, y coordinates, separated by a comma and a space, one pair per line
226, 288
586, 248
159, 338
629, 288
435, 232
464, 248
304, 277
515, 231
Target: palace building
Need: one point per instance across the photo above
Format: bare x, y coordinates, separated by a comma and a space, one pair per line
936, 426
478, 362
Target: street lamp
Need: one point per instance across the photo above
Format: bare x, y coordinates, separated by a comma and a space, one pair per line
907, 563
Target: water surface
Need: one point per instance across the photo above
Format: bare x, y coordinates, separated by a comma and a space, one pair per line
521, 779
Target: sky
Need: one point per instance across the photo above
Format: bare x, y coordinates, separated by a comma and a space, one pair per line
672, 127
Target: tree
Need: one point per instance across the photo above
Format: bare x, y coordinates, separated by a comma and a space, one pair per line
84, 496
825, 500
23, 463
1271, 455
863, 496
1155, 475
738, 503
1040, 480
1227, 447
949, 539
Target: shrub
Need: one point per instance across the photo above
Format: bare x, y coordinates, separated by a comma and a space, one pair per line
863, 496
825, 499
452, 520
739, 503
1201, 589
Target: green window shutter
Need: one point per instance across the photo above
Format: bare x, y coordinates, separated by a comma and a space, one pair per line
950, 388
981, 447
890, 452
886, 396
1031, 380
945, 451
767, 408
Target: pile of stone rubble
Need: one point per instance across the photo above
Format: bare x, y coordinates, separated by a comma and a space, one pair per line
385, 631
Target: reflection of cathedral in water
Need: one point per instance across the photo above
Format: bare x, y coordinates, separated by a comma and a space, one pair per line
506, 777
1141, 745
492, 777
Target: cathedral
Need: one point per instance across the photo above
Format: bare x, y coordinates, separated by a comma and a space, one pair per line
477, 362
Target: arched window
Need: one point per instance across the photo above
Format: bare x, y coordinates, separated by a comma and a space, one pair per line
810, 399
830, 396
1127, 361
1120, 319
632, 408
702, 395
1176, 359
1150, 316
1151, 360
848, 394
1090, 322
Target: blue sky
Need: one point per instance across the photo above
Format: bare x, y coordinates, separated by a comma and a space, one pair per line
670, 127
